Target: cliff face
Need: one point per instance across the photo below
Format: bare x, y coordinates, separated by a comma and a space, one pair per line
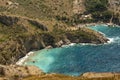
20, 35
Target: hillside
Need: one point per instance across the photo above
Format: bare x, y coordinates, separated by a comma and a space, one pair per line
27, 25
28, 22
19, 35
68, 11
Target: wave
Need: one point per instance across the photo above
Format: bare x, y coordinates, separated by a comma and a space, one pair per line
71, 44
114, 40
84, 44
110, 40
22, 60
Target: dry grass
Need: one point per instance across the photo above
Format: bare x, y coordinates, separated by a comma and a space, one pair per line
63, 77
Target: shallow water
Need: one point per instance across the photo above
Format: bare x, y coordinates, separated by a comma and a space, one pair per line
78, 59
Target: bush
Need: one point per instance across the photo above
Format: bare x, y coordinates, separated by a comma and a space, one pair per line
102, 16
96, 5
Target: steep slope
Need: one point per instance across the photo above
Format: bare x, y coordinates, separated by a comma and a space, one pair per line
27, 25
19, 35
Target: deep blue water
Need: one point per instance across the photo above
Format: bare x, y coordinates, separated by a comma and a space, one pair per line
78, 59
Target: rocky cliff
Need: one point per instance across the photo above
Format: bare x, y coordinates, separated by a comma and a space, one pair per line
27, 25
20, 35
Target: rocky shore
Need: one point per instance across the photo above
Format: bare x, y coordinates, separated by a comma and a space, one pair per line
25, 35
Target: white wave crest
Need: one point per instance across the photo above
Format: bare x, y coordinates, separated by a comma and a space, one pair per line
72, 44
84, 44
114, 40
22, 60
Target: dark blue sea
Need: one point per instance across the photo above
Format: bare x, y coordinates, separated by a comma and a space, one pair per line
80, 58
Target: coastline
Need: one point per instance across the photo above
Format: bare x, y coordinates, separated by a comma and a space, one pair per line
98, 23
71, 44
22, 60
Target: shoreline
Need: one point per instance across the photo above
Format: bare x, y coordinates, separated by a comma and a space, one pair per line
98, 23
110, 40
22, 60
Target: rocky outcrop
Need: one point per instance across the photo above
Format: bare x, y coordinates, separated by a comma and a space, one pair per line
89, 36
62, 42
19, 71
37, 24
23, 35
8, 20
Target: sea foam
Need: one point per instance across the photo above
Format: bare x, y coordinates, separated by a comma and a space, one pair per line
114, 40
22, 60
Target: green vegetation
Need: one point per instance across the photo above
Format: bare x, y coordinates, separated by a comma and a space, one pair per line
102, 16
27, 25
99, 10
24, 35
96, 5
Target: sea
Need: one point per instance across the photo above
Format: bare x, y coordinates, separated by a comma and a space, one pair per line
77, 59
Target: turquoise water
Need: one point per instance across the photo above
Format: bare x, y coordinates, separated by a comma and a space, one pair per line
78, 59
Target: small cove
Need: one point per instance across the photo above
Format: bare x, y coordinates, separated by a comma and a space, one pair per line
80, 58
